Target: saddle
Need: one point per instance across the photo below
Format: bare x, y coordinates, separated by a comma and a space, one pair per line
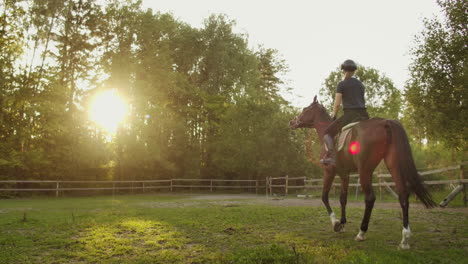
341, 137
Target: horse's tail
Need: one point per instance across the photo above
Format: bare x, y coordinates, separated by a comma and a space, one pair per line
406, 166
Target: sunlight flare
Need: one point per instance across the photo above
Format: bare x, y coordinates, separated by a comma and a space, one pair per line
108, 110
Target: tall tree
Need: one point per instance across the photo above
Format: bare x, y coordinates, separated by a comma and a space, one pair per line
198, 97
254, 140
437, 92
11, 48
225, 71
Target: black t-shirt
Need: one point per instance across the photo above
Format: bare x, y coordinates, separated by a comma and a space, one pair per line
353, 93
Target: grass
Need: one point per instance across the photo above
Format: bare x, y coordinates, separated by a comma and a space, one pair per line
177, 229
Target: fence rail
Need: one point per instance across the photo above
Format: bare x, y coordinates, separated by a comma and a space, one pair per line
171, 185
382, 184
33, 181
284, 183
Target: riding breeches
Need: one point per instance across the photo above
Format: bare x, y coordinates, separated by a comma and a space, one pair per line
350, 115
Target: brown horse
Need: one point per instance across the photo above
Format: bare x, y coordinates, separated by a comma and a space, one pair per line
369, 142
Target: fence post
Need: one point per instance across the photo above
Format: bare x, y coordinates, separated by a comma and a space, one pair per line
57, 187
171, 185
286, 186
271, 187
357, 186
256, 187
211, 185
305, 185
380, 186
143, 186
462, 177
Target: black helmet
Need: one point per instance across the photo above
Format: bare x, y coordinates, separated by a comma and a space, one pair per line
348, 65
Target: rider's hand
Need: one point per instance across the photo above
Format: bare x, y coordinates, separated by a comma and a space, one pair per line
334, 118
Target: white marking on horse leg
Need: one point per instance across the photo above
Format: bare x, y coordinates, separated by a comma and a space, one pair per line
336, 224
406, 234
333, 218
360, 236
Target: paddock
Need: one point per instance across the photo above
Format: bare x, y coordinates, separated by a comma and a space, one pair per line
219, 228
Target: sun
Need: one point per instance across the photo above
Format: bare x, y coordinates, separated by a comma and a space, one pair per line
108, 110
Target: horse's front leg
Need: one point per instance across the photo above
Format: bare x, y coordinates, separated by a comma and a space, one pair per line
366, 184
343, 202
328, 178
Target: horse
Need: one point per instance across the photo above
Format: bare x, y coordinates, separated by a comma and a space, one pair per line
369, 142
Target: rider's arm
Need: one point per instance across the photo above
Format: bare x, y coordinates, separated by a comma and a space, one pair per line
338, 100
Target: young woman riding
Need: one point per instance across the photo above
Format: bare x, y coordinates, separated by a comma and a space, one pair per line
350, 92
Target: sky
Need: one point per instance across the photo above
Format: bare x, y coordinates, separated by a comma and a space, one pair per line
315, 36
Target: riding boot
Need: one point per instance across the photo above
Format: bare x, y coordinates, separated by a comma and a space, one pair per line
329, 158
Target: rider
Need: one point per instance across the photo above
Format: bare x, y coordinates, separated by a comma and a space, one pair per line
350, 92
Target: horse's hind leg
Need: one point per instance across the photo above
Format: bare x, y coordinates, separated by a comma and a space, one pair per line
406, 232
366, 183
343, 200
403, 197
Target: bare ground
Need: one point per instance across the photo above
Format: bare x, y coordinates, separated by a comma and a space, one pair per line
231, 200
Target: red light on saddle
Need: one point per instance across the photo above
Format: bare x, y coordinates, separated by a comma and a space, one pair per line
354, 147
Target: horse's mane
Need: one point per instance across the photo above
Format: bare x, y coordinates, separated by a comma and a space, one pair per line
324, 115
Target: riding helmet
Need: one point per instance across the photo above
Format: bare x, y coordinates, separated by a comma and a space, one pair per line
348, 65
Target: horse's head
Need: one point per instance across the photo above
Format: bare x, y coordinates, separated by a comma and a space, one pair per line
310, 116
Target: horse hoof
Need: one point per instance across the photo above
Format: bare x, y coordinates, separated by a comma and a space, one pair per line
338, 227
404, 246
360, 236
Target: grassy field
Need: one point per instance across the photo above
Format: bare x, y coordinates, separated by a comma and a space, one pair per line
218, 229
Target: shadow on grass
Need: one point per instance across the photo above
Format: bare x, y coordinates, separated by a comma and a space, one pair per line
126, 231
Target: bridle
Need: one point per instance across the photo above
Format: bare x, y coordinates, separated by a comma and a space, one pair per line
318, 125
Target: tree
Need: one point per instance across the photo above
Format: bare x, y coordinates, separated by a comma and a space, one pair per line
383, 99
11, 48
254, 140
270, 66
195, 95
225, 71
437, 92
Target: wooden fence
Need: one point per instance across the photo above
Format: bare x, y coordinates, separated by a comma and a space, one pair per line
143, 185
283, 184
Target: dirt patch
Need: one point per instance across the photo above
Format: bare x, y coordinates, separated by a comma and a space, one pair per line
227, 197
183, 204
319, 203
4, 211
232, 200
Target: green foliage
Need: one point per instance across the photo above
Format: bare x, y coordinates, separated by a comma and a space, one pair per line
435, 154
383, 99
253, 141
187, 88
203, 104
437, 92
